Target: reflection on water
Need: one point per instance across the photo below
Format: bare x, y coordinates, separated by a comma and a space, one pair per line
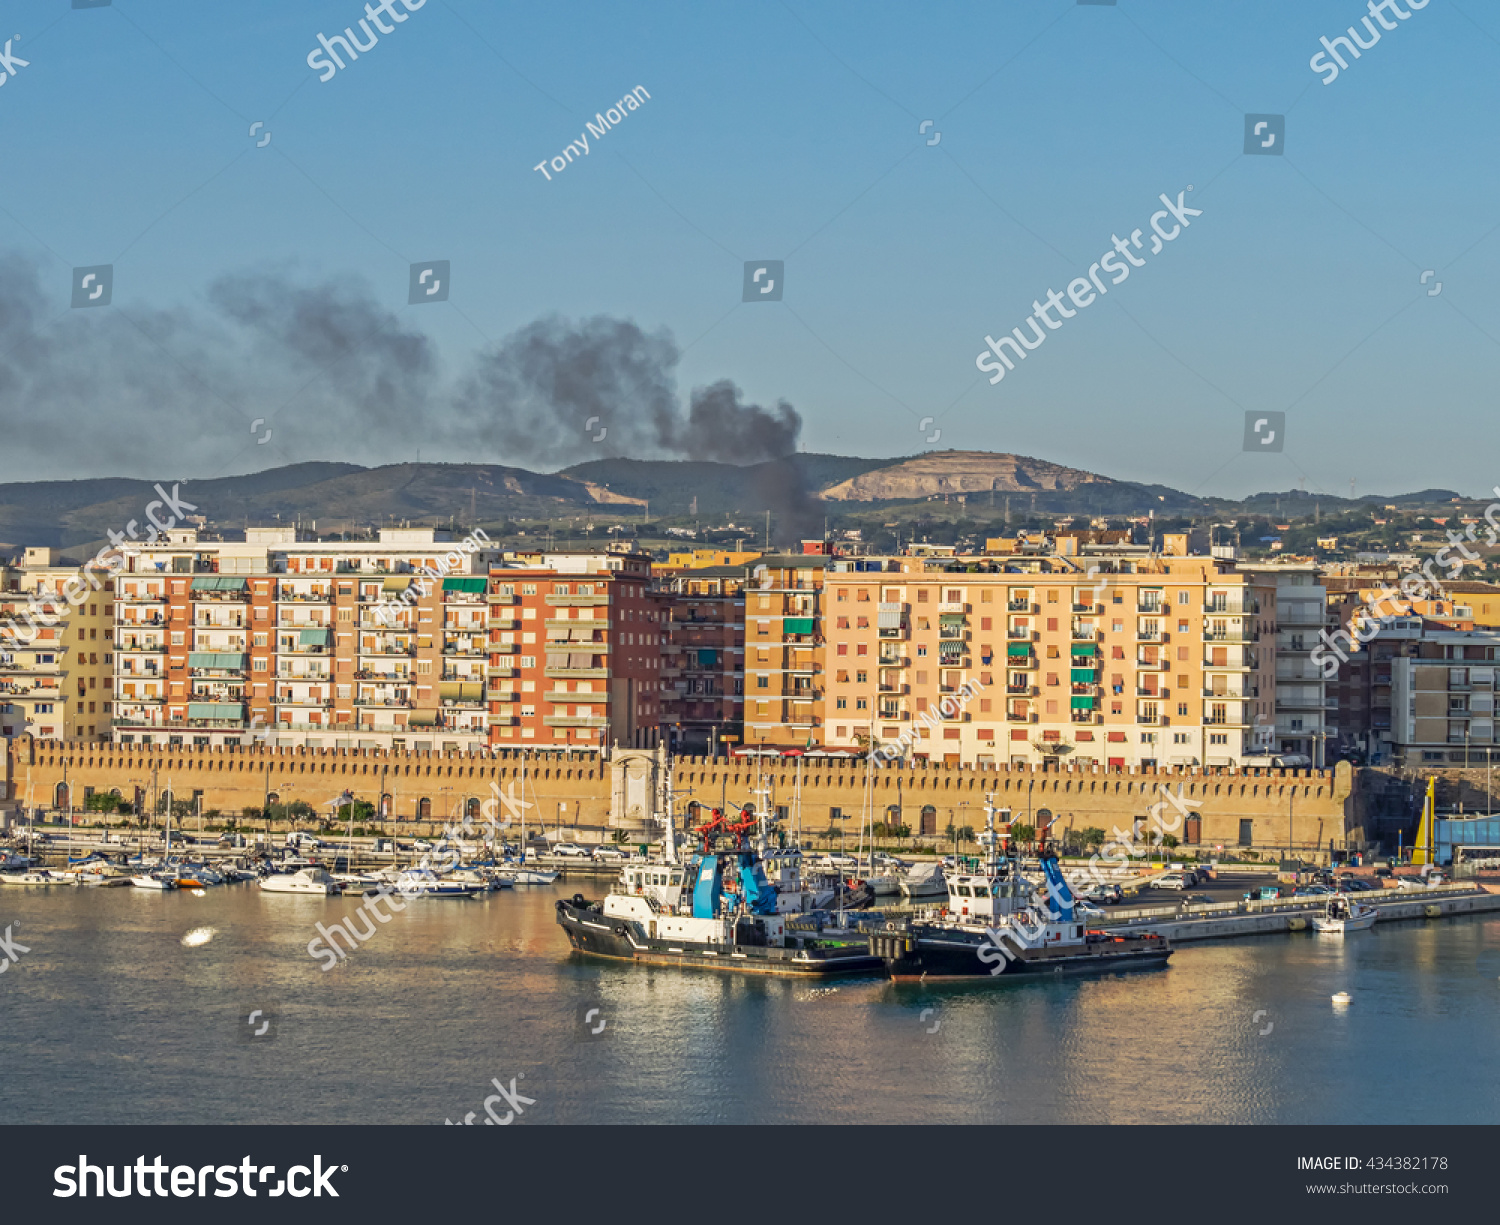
113, 1017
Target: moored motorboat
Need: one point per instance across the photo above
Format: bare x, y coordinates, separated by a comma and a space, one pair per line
924, 880
1342, 914
35, 876
161, 884
304, 880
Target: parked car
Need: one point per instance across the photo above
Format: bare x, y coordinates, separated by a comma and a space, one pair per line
1086, 910
302, 841
1263, 893
1172, 880
1198, 899
569, 850
840, 863
611, 852
1105, 895
421, 844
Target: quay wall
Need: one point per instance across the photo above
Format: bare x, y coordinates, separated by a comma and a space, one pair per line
1307, 810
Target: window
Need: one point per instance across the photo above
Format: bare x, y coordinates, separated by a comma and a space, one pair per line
262, 665
841, 704
861, 678
1182, 708
528, 589
843, 622
861, 704
1247, 832
762, 682
1183, 597
922, 595
843, 595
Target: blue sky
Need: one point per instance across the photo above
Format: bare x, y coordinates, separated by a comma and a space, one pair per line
791, 132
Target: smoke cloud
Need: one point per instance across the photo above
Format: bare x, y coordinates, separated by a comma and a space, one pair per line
131, 390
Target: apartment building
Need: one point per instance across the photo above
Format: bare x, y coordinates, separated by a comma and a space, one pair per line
703, 658
55, 678
1442, 687
1299, 724
1135, 660
327, 643
575, 651
785, 632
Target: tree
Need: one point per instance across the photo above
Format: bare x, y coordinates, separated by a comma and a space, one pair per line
965, 833
882, 830
1171, 842
620, 837
1092, 836
950, 831
101, 801
1022, 833
901, 832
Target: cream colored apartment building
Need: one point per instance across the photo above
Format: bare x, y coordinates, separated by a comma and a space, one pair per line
55, 665
1164, 660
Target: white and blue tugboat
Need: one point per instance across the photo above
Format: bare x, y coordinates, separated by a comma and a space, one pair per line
718, 910
996, 924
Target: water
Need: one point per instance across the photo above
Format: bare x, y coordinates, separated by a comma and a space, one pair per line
110, 1018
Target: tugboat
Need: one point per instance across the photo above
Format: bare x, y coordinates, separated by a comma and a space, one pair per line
717, 911
996, 924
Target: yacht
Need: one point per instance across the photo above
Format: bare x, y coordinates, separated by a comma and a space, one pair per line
304, 880
161, 884
998, 924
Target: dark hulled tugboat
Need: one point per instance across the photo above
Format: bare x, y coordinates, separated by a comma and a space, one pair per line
718, 911
996, 924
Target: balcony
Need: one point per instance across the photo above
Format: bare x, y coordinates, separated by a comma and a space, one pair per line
1087, 716
1019, 635
575, 720
1141, 691
1237, 637
582, 674
1150, 720
1086, 633
1232, 696
894, 687
1088, 608
581, 699
1150, 636
1231, 608
894, 661
503, 623
1152, 608
504, 648
1021, 606
1023, 690
563, 644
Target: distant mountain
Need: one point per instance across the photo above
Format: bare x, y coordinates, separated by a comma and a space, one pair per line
800, 491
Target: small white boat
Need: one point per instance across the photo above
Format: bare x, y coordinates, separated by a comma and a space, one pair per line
421, 882
36, 876
924, 880
305, 880
1342, 998
1343, 914
161, 883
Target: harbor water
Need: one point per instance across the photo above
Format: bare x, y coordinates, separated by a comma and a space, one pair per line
135, 1007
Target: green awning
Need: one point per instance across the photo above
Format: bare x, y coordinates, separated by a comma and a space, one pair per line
951, 618
708, 659
396, 583
1084, 676
313, 638
215, 710
1018, 648
1085, 648
797, 625
204, 583
473, 586
951, 647
217, 659
1084, 703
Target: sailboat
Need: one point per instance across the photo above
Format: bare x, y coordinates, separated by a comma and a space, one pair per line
520, 872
